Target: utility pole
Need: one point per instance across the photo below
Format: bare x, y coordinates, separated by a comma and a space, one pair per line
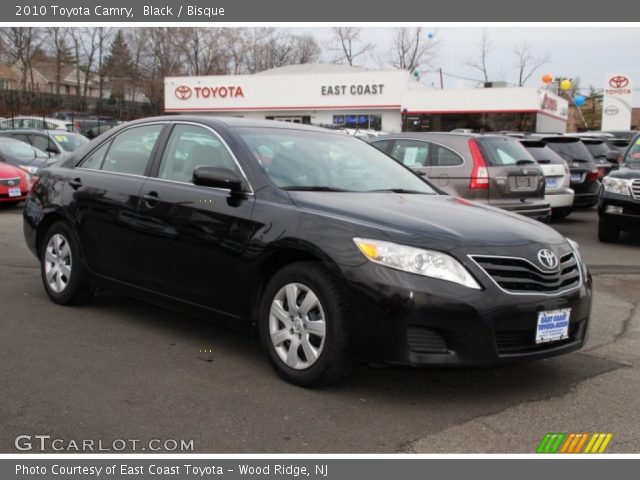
441, 82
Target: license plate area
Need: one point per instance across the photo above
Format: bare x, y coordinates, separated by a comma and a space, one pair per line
552, 182
577, 177
553, 325
15, 192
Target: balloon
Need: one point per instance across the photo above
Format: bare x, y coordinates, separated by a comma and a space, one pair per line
565, 84
579, 100
546, 78
430, 35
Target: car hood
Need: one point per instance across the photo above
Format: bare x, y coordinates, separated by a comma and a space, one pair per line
9, 171
429, 221
628, 172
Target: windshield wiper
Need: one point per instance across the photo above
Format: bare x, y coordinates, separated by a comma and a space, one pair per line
314, 188
395, 190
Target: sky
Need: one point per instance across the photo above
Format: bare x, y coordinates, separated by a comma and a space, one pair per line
590, 53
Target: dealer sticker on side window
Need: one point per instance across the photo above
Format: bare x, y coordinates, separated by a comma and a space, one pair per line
553, 325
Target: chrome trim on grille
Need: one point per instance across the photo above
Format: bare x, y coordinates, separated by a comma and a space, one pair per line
557, 271
635, 189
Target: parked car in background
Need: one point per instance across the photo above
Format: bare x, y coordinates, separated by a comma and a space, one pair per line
96, 130
53, 142
14, 184
36, 122
583, 168
606, 159
619, 202
492, 169
625, 134
556, 175
22, 155
332, 251
619, 145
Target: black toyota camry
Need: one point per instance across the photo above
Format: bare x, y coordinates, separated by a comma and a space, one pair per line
330, 249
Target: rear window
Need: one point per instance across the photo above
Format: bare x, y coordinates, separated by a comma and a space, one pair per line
503, 151
570, 149
597, 149
543, 154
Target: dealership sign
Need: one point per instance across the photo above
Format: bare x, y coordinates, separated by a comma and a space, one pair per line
275, 92
616, 102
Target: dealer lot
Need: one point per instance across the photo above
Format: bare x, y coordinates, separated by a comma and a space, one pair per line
119, 368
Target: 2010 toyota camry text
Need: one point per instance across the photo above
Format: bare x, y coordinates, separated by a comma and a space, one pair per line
331, 250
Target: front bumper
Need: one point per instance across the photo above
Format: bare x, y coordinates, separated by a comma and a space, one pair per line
401, 318
628, 220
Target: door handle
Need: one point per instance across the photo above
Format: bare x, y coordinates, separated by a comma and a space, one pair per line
151, 198
75, 183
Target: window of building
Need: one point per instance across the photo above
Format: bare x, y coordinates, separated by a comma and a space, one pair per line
368, 122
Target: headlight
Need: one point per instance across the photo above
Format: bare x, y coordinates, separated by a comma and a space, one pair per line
616, 185
31, 170
414, 260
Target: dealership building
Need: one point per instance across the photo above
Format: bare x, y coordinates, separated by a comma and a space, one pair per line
354, 97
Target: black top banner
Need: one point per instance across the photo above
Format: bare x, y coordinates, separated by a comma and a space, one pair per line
218, 11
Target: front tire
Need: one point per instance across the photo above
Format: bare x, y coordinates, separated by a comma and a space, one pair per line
608, 233
64, 276
303, 326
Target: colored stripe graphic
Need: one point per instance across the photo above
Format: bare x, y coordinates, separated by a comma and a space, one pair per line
574, 442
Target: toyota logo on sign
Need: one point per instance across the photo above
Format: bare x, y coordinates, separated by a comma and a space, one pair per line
547, 258
183, 92
611, 110
619, 81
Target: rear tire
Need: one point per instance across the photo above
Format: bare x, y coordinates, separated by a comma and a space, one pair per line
608, 233
64, 276
307, 342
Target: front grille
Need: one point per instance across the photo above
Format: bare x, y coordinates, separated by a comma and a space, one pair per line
425, 340
519, 276
635, 188
10, 182
523, 341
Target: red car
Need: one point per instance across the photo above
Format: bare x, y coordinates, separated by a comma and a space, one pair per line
14, 184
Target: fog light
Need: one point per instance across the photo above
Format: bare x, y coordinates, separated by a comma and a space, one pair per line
613, 209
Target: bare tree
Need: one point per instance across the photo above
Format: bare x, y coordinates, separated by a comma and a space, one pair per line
20, 43
410, 48
306, 49
527, 62
59, 51
485, 48
349, 44
104, 36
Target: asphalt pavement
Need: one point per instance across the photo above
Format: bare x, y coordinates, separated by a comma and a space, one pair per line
122, 369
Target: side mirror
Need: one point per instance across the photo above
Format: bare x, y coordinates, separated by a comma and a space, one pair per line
217, 178
612, 156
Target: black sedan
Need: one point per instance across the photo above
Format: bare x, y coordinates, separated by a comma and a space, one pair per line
330, 249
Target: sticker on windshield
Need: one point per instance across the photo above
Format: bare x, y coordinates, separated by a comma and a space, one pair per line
61, 138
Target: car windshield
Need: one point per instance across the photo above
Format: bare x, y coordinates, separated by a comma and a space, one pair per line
21, 150
632, 159
499, 151
570, 149
70, 141
309, 160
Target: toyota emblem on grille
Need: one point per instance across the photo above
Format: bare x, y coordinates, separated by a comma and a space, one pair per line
547, 258
11, 182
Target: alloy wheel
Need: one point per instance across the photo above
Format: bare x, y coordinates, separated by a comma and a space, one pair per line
57, 263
